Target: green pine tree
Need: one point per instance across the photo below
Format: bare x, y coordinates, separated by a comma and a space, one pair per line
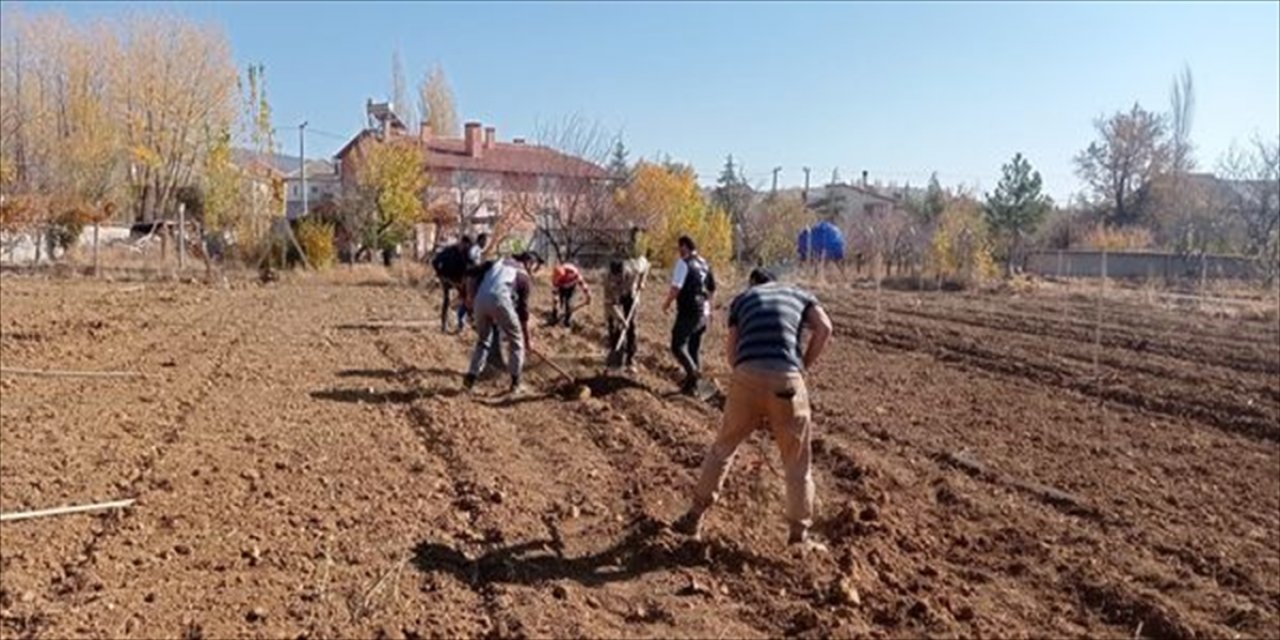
619, 168
1017, 207
935, 199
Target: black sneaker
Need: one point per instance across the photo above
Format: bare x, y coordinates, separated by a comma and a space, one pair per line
690, 386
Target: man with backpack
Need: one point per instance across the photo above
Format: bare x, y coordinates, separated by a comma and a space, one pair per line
692, 287
451, 265
769, 357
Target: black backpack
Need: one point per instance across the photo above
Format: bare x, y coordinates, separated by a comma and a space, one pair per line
451, 262
699, 282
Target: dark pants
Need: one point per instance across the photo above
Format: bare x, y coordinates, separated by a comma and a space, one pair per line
564, 306
686, 341
448, 286
615, 331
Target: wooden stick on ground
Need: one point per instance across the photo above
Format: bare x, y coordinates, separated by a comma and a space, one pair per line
57, 511
55, 373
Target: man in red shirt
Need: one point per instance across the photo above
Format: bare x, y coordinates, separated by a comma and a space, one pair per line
566, 279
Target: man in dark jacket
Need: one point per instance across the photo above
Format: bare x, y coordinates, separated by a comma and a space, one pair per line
692, 287
451, 265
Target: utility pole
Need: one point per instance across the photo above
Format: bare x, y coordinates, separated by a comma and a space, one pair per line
302, 169
773, 191
804, 195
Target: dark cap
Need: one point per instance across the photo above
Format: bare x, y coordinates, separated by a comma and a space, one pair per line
760, 276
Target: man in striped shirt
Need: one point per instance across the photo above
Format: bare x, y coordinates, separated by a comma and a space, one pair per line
766, 323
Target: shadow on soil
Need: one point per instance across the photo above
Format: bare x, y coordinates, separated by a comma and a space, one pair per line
390, 396
394, 374
368, 396
646, 548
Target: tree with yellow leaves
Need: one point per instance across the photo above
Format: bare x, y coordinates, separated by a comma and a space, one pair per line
87, 108
666, 200
391, 185
961, 246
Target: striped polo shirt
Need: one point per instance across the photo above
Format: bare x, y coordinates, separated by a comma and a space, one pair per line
769, 319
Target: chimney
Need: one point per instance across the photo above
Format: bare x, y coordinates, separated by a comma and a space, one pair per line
490, 137
424, 131
864, 178
471, 133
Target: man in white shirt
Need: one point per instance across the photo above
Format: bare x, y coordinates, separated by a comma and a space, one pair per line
692, 286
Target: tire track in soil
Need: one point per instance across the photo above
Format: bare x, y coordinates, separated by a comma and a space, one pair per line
68, 589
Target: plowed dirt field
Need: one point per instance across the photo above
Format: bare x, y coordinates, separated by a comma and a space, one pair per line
302, 469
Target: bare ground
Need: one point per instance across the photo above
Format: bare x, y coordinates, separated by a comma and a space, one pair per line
300, 472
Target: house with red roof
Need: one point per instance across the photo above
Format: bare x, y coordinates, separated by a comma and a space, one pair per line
477, 183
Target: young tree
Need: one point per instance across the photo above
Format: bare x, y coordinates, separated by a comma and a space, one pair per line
960, 246
1132, 150
435, 100
935, 199
734, 196
224, 191
772, 228
1016, 208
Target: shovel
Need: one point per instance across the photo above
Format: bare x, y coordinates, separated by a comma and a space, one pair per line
581, 391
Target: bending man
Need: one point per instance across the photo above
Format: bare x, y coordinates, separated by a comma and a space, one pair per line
766, 323
500, 303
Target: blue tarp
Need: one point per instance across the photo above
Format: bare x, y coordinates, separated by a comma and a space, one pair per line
823, 240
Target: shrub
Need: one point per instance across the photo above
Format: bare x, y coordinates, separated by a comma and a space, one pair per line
317, 240
1118, 238
68, 225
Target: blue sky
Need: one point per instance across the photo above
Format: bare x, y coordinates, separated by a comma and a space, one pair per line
897, 88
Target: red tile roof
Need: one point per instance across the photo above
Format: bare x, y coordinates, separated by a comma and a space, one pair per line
501, 157
504, 157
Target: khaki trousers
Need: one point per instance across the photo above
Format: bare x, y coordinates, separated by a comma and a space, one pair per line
781, 400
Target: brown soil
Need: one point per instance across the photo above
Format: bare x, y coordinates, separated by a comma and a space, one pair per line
302, 474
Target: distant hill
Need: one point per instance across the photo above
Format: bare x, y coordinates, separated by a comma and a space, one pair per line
281, 162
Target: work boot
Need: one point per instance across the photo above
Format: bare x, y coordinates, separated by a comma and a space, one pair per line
689, 524
689, 386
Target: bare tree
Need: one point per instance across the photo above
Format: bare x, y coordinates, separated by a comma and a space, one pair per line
436, 102
1131, 151
1253, 191
570, 201
400, 102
